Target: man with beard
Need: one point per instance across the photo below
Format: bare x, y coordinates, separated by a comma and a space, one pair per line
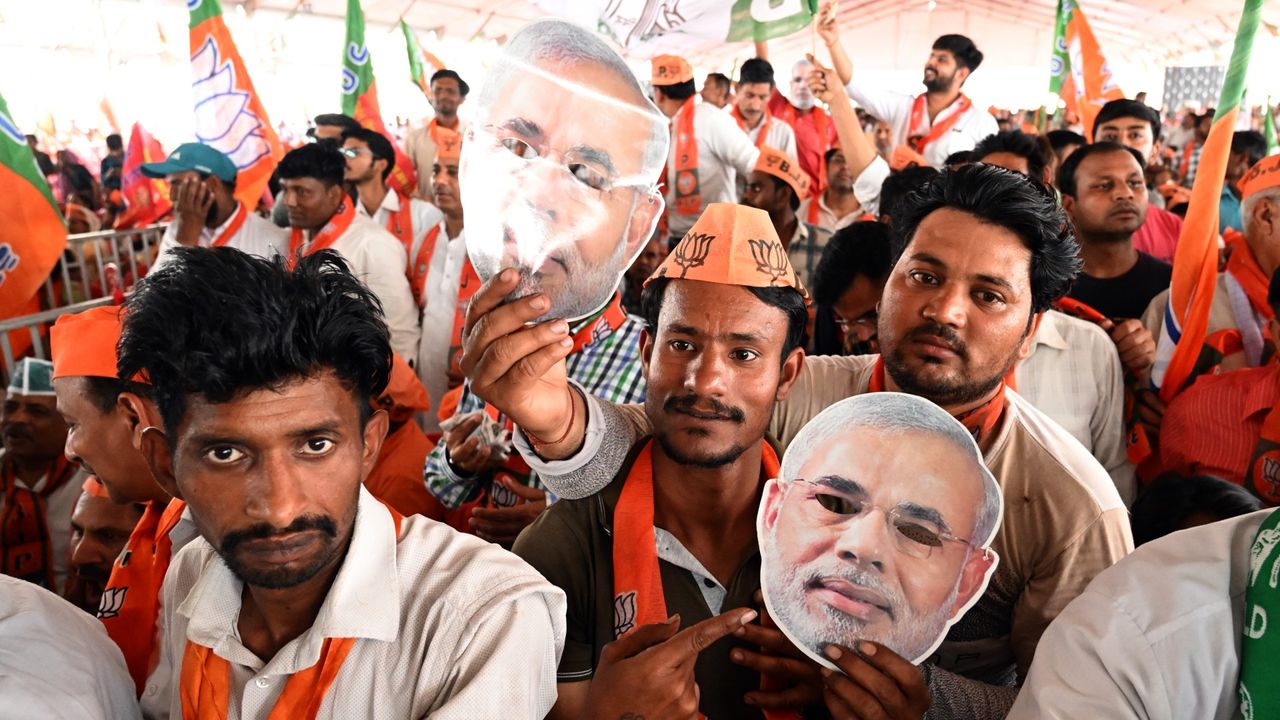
755, 87
448, 92
269, 443
833, 570
1133, 124
980, 254
38, 485
670, 542
777, 185
202, 185
935, 124
1105, 193
838, 206
322, 216
815, 132
370, 159
100, 529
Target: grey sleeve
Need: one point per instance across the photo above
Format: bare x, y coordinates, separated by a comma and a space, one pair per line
612, 430
956, 697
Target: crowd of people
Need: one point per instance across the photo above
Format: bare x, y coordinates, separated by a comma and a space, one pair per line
316, 466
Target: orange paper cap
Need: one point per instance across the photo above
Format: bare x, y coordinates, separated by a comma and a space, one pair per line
84, 344
731, 245
449, 146
902, 156
1266, 174
778, 164
93, 487
671, 70
404, 393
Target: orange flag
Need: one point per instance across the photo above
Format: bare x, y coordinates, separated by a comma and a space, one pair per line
1078, 71
32, 235
146, 200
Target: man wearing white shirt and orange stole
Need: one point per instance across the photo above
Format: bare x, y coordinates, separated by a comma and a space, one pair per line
322, 216
936, 123
267, 431
448, 92
708, 150
202, 184
755, 87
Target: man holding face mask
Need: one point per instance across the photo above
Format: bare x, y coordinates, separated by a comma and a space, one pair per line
202, 185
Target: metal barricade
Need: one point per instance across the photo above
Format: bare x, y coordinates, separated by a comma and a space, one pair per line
32, 324
82, 274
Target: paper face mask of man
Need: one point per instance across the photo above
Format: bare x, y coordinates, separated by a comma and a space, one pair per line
879, 528
559, 170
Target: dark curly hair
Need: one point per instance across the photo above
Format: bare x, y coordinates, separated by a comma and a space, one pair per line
215, 323
1005, 199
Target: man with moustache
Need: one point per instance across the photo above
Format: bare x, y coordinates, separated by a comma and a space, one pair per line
673, 534
1105, 193
202, 184
448, 92
100, 529
322, 216
814, 129
38, 485
953, 322
269, 443
833, 570
839, 205
717, 90
935, 124
755, 87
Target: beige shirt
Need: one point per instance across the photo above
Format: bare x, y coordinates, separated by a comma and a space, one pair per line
1074, 376
724, 153
446, 626
378, 259
257, 236
56, 661
421, 149
1063, 522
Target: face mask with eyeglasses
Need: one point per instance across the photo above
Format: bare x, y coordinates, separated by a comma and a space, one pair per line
913, 534
591, 170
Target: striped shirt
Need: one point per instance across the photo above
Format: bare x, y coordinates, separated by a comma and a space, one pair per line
608, 367
806, 249
1212, 427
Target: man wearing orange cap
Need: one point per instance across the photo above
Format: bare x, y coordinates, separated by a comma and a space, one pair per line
708, 150
777, 185
100, 529
437, 268
1240, 308
107, 416
668, 548
981, 254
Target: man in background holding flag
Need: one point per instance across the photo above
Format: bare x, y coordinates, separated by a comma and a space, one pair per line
448, 92
935, 124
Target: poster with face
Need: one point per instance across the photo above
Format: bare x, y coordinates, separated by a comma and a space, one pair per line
879, 527
559, 170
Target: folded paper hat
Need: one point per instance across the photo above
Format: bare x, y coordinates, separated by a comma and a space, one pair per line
448, 146
1265, 174
84, 344
778, 164
32, 377
671, 70
731, 245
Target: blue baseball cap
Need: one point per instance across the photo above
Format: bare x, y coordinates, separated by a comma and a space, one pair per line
193, 156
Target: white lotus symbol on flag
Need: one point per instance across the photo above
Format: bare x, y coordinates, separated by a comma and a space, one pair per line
223, 119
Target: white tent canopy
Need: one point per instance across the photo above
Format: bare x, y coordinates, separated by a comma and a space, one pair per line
67, 55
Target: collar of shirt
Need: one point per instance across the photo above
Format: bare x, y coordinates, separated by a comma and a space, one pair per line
363, 602
390, 203
1049, 334
1261, 396
207, 236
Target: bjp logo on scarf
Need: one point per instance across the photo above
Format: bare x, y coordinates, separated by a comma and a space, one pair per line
111, 602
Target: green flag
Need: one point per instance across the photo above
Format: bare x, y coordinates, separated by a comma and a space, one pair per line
360, 94
1269, 129
32, 235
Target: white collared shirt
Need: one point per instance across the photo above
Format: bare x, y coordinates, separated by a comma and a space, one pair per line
446, 626
422, 214
56, 661
724, 153
257, 236
378, 259
895, 109
780, 137
866, 188
1074, 376
439, 309
1155, 636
